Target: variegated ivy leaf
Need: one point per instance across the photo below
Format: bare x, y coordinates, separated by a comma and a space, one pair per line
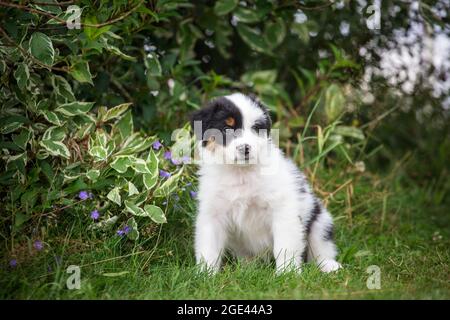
22, 138
155, 213
54, 134
125, 125
52, 117
41, 48
75, 108
22, 75
114, 196
98, 153
168, 186
150, 180
104, 224
139, 165
152, 162
139, 199
121, 163
10, 127
133, 234
116, 112
55, 148
93, 174
132, 190
134, 209
19, 161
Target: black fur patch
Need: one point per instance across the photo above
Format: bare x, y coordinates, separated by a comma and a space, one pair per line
214, 116
316, 210
329, 233
266, 122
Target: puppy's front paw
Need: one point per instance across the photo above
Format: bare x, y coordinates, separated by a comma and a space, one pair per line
329, 266
204, 268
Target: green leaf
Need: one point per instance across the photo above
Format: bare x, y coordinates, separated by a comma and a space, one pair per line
55, 148
41, 48
52, 117
117, 52
22, 75
125, 125
22, 138
168, 186
153, 66
10, 127
134, 209
99, 153
114, 196
133, 234
334, 102
302, 31
155, 213
63, 88
150, 180
247, 15
116, 112
275, 33
132, 190
54, 134
351, 132
253, 38
121, 163
75, 108
93, 174
140, 166
222, 7
81, 72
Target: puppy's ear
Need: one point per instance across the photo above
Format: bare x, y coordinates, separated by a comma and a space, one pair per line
199, 115
263, 107
205, 115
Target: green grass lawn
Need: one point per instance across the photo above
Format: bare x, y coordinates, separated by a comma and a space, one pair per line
402, 229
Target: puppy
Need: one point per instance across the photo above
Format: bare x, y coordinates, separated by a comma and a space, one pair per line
253, 200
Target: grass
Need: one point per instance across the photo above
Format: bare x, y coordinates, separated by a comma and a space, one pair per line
401, 227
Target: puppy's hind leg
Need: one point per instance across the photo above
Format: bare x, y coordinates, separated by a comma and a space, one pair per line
321, 244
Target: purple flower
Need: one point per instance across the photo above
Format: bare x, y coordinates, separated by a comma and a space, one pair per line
127, 229
193, 194
13, 263
164, 174
38, 245
157, 145
124, 231
95, 215
167, 155
83, 195
175, 161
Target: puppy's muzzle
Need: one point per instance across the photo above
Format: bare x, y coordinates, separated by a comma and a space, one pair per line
244, 149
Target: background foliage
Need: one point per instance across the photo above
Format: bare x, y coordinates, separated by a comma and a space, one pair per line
87, 114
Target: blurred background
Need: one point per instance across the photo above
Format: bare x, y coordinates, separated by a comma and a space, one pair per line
360, 91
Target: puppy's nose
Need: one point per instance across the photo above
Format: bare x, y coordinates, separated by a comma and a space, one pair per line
244, 149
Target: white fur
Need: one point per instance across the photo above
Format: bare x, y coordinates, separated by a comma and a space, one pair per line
254, 208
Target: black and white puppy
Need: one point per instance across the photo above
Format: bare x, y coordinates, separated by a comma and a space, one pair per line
253, 200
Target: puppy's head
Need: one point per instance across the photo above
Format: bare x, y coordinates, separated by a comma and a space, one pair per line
234, 129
